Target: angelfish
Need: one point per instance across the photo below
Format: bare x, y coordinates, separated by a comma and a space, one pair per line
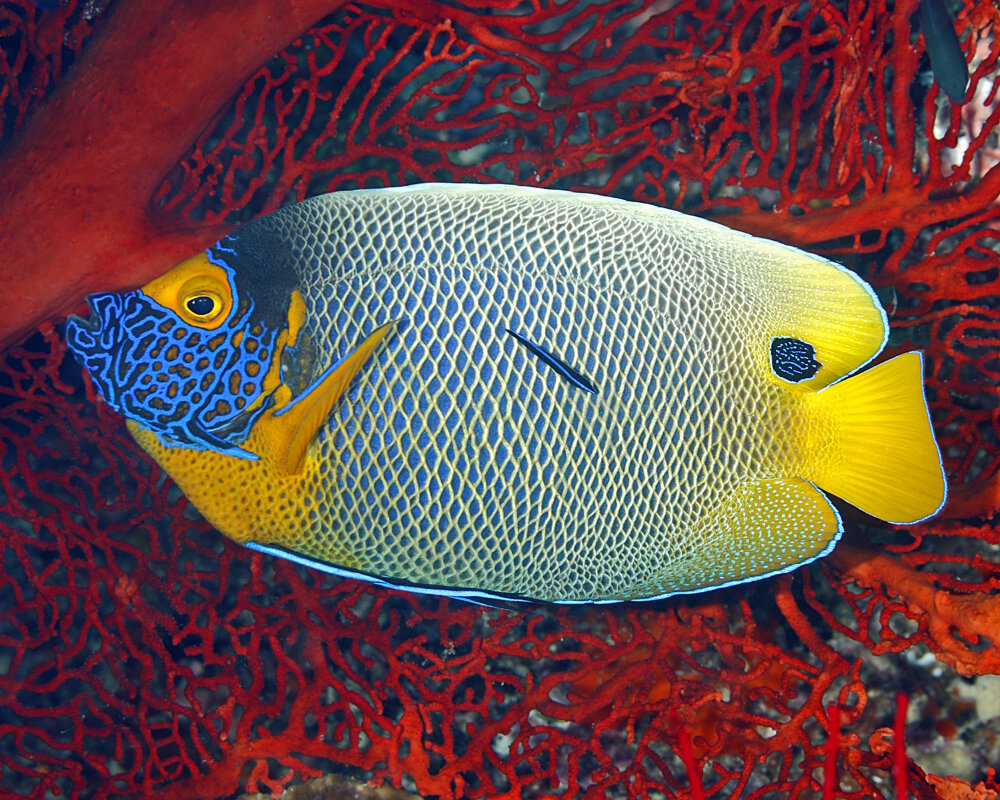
503, 391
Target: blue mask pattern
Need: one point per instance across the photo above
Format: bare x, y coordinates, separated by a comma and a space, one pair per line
193, 386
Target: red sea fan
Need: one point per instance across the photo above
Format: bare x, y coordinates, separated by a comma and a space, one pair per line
144, 655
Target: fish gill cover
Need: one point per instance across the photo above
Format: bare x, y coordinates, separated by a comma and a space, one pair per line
144, 655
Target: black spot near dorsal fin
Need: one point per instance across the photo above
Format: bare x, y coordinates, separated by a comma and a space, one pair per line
793, 359
578, 379
261, 258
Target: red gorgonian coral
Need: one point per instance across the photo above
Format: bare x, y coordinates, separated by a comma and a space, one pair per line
143, 655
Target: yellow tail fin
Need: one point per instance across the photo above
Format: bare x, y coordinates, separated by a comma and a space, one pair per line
881, 455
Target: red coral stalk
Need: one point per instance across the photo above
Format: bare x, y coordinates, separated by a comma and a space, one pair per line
77, 181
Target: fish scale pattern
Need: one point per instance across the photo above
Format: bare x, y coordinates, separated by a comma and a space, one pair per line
459, 459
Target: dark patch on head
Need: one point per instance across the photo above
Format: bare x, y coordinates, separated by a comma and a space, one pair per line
261, 258
793, 359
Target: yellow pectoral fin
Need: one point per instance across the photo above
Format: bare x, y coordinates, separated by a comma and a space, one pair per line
286, 433
264, 500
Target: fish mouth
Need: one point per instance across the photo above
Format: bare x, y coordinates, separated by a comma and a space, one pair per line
92, 322
96, 332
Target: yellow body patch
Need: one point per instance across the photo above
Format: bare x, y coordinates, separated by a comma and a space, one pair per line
251, 501
266, 500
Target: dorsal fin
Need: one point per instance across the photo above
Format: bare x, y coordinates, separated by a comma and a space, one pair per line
289, 430
563, 369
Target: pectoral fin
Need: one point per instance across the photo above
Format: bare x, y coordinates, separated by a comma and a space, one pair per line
289, 430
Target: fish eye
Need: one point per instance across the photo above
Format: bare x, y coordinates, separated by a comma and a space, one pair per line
201, 305
197, 291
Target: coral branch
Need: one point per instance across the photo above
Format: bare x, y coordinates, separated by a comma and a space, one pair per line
979, 498
954, 620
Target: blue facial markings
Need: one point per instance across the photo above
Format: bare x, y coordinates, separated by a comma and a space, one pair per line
197, 387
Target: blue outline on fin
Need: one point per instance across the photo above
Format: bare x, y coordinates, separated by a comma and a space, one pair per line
469, 595
478, 595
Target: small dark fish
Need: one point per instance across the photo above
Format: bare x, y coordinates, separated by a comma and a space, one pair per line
578, 379
947, 58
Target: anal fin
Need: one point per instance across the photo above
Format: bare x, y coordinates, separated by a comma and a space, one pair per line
765, 528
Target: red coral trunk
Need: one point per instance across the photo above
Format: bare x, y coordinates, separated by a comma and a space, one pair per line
78, 180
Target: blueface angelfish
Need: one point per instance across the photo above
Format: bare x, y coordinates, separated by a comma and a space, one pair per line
505, 391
